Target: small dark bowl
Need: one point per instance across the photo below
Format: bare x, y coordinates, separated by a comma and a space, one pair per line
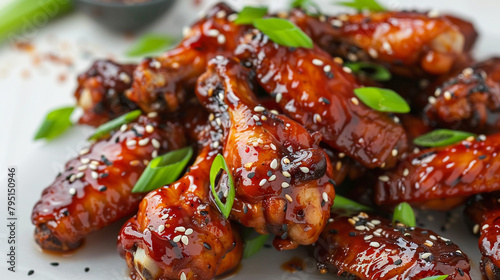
123, 17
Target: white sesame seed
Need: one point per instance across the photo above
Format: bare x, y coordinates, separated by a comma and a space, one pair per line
155, 64
215, 145
327, 68
259, 109
288, 197
183, 276
94, 175
467, 71
85, 160
135, 162
124, 77
264, 118
154, 154
286, 160
185, 240
375, 244
387, 47
428, 243
232, 17
82, 167
150, 128
317, 62
372, 52
180, 229
485, 226
93, 166
279, 96
221, 14
256, 118
482, 137
152, 115
355, 101
123, 127
285, 185
286, 174
188, 231
338, 165
274, 112
72, 191
212, 33
177, 238
221, 39
431, 100
185, 31
143, 142
437, 92
475, 229
131, 143
425, 255
262, 182
359, 227
447, 95
433, 237
317, 118
337, 23
272, 178
273, 146
304, 169
84, 151
164, 217
383, 178
156, 143
161, 228
347, 69
394, 152
433, 13
274, 164
218, 121
406, 172
80, 175
72, 178
325, 196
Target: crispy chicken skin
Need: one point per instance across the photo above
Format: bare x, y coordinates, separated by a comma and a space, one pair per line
95, 188
281, 175
408, 43
177, 233
101, 92
368, 247
442, 178
469, 101
317, 92
484, 211
162, 83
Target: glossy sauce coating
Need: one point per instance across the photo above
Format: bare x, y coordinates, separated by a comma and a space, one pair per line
368, 247
101, 92
408, 43
163, 83
442, 178
469, 101
281, 176
95, 188
484, 211
177, 233
318, 93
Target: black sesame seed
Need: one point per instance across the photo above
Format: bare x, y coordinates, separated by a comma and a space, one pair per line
207, 246
87, 269
104, 175
482, 156
102, 188
329, 75
251, 175
333, 231
31, 272
136, 132
117, 139
54, 264
284, 227
323, 203
326, 101
352, 234
65, 213
284, 235
398, 262
331, 181
245, 209
106, 160
460, 271
269, 173
203, 213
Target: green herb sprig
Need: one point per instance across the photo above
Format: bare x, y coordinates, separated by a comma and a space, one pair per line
380, 99
360, 5
403, 213
253, 245
437, 277
249, 13
150, 44
55, 123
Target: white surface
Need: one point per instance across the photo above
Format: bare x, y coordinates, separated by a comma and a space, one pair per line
26, 100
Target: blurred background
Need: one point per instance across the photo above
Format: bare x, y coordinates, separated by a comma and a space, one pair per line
45, 44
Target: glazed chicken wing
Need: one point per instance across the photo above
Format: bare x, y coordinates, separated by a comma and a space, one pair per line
368, 247
281, 175
442, 178
408, 43
101, 92
177, 234
162, 83
318, 93
95, 188
470, 101
484, 211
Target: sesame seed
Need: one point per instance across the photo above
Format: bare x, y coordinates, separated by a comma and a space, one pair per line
475, 229
262, 182
337, 23
215, 144
256, 118
467, 71
156, 143
372, 52
221, 39
278, 97
94, 175
131, 143
288, 197
286, 174
72, 178
221, 14
264, 118
433, 237
317, 118
161, 228
274, 112
154, 154
383, 178
80, 175
212, 33
352, 57
447, 95
274, 164
428, 243
84, 151
150, 128
143, 142
437, 93
285, 185
359, 228
317, 62
482, 137
177, 238
433, 13
185, 31
286, 160
431, 100
152, 115
338, 165
180, 229
272, 178
273, 146
183, 276
93, 166
218, 121
347, 69
155, 64
232, 17
327, 68
188, 231
185, 240
425, 255
85, 160
355, 101
406, 172
304, 169
135, 162
387, 47
368, 237
394, 152
375, 222
72, 191
485, 226
259, 109
164, 217
82, 167
325, 196
375, 244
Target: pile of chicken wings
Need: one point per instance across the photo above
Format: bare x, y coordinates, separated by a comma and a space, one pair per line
291, 130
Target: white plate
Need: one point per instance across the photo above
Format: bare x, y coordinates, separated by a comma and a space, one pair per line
99, 251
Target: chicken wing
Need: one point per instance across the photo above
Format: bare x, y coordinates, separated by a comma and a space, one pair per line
318, 93
177, 233
95, 188
442, 178
162, 83
469, 101
408, 43
368, 247
101, 92
281, 175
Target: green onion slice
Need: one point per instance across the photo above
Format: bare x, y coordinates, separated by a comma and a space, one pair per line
219, 164
163, 170
438, 277
150, 44
249, 14
371, 70
305, 5
343, 203
441, 137
105, 128
380, 99
404, 214
283, 32
253, 245
55, 123
370, 5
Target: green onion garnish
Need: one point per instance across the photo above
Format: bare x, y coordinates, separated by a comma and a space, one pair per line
283, 32
55, 123
220, 164
253, 245
371, 70
404, 214
150, 44
438, 277
305, 5
343, 203
105, 128
163, 170
249, 14
360, 5
380, 99
441, 137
